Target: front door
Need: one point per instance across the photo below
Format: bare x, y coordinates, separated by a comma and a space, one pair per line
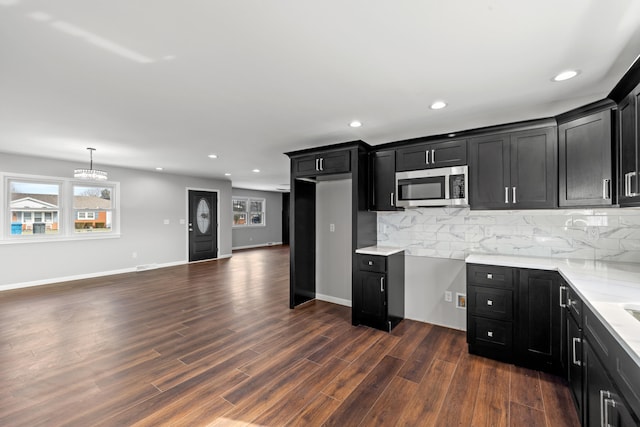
203, 225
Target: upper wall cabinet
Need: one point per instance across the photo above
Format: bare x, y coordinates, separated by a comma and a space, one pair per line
514, 170
431, 155
323, 163
382, 183
584, 161
629, 131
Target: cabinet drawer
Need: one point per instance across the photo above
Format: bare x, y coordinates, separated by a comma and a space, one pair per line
599, 338
490, 333
491, 275
375, 263
491, 302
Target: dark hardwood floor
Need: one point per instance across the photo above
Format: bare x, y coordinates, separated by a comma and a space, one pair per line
215, 343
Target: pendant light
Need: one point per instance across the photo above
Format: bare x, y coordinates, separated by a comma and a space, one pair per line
91, 173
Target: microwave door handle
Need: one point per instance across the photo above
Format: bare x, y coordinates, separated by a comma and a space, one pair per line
447, 194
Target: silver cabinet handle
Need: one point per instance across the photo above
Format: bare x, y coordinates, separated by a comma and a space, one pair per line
606, 189
605, 399
489, 302
489, 276
573, 346
317, 164
562, 304
426, 155
627, 184
321, 164
392, 199
490, 334
433, 156
514, 195
506, 194
382, 284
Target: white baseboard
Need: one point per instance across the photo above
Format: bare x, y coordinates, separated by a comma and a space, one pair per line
334, 300
262, 245
138, 268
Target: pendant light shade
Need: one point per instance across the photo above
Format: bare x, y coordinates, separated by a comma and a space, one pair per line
91, 173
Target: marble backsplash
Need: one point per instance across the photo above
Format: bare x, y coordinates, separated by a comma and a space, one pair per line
611, 234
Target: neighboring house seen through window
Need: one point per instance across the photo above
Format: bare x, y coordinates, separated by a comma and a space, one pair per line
41, 206
248, 211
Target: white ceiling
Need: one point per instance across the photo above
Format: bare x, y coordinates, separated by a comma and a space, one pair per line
165, 83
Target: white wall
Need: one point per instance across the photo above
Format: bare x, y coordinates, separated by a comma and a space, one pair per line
146, 200
333, 248
244, 237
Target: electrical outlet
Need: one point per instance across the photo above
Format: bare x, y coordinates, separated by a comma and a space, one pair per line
448, 297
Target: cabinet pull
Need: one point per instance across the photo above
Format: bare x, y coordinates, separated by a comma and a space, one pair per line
489, 302
382, 284
321, 164
506, 194
392, 199
433, 156
426, 155
490, 334
514, 195
489, 276
562, 304
606, 189
605, 402
575, 340
627, 184
317, 164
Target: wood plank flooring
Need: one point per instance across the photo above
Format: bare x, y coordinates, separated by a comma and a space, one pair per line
215, 343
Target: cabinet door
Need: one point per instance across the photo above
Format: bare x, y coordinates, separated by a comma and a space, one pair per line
629, 124
574, 362
534, 173
383, 181
334, 162
489, 172
305, 165
604, 405
584, 161
372, 298
538, 320
448, 153
432, 155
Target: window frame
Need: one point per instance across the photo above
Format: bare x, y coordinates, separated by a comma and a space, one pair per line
65, 213
247, 212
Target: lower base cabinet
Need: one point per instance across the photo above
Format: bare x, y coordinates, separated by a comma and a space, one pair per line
378, 293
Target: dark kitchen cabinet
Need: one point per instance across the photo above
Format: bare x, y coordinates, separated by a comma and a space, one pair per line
572, 354
605, 406
515, 170
490, 311
629, 152
513, 315
431, 155
323, 163
585, 168
538, 320
383, 181
378, 297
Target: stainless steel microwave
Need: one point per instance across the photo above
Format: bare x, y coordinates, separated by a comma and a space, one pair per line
433, 187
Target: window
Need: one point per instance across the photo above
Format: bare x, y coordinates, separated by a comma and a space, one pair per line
93, 208
30, 204
248, 212
57, 208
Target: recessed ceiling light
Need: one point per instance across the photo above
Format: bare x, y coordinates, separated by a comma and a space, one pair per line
227, 174
565, 75
159, 169
256, 170
213, 156
355, 124
438, 105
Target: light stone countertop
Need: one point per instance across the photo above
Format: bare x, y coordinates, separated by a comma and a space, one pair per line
606, 287
379, 250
